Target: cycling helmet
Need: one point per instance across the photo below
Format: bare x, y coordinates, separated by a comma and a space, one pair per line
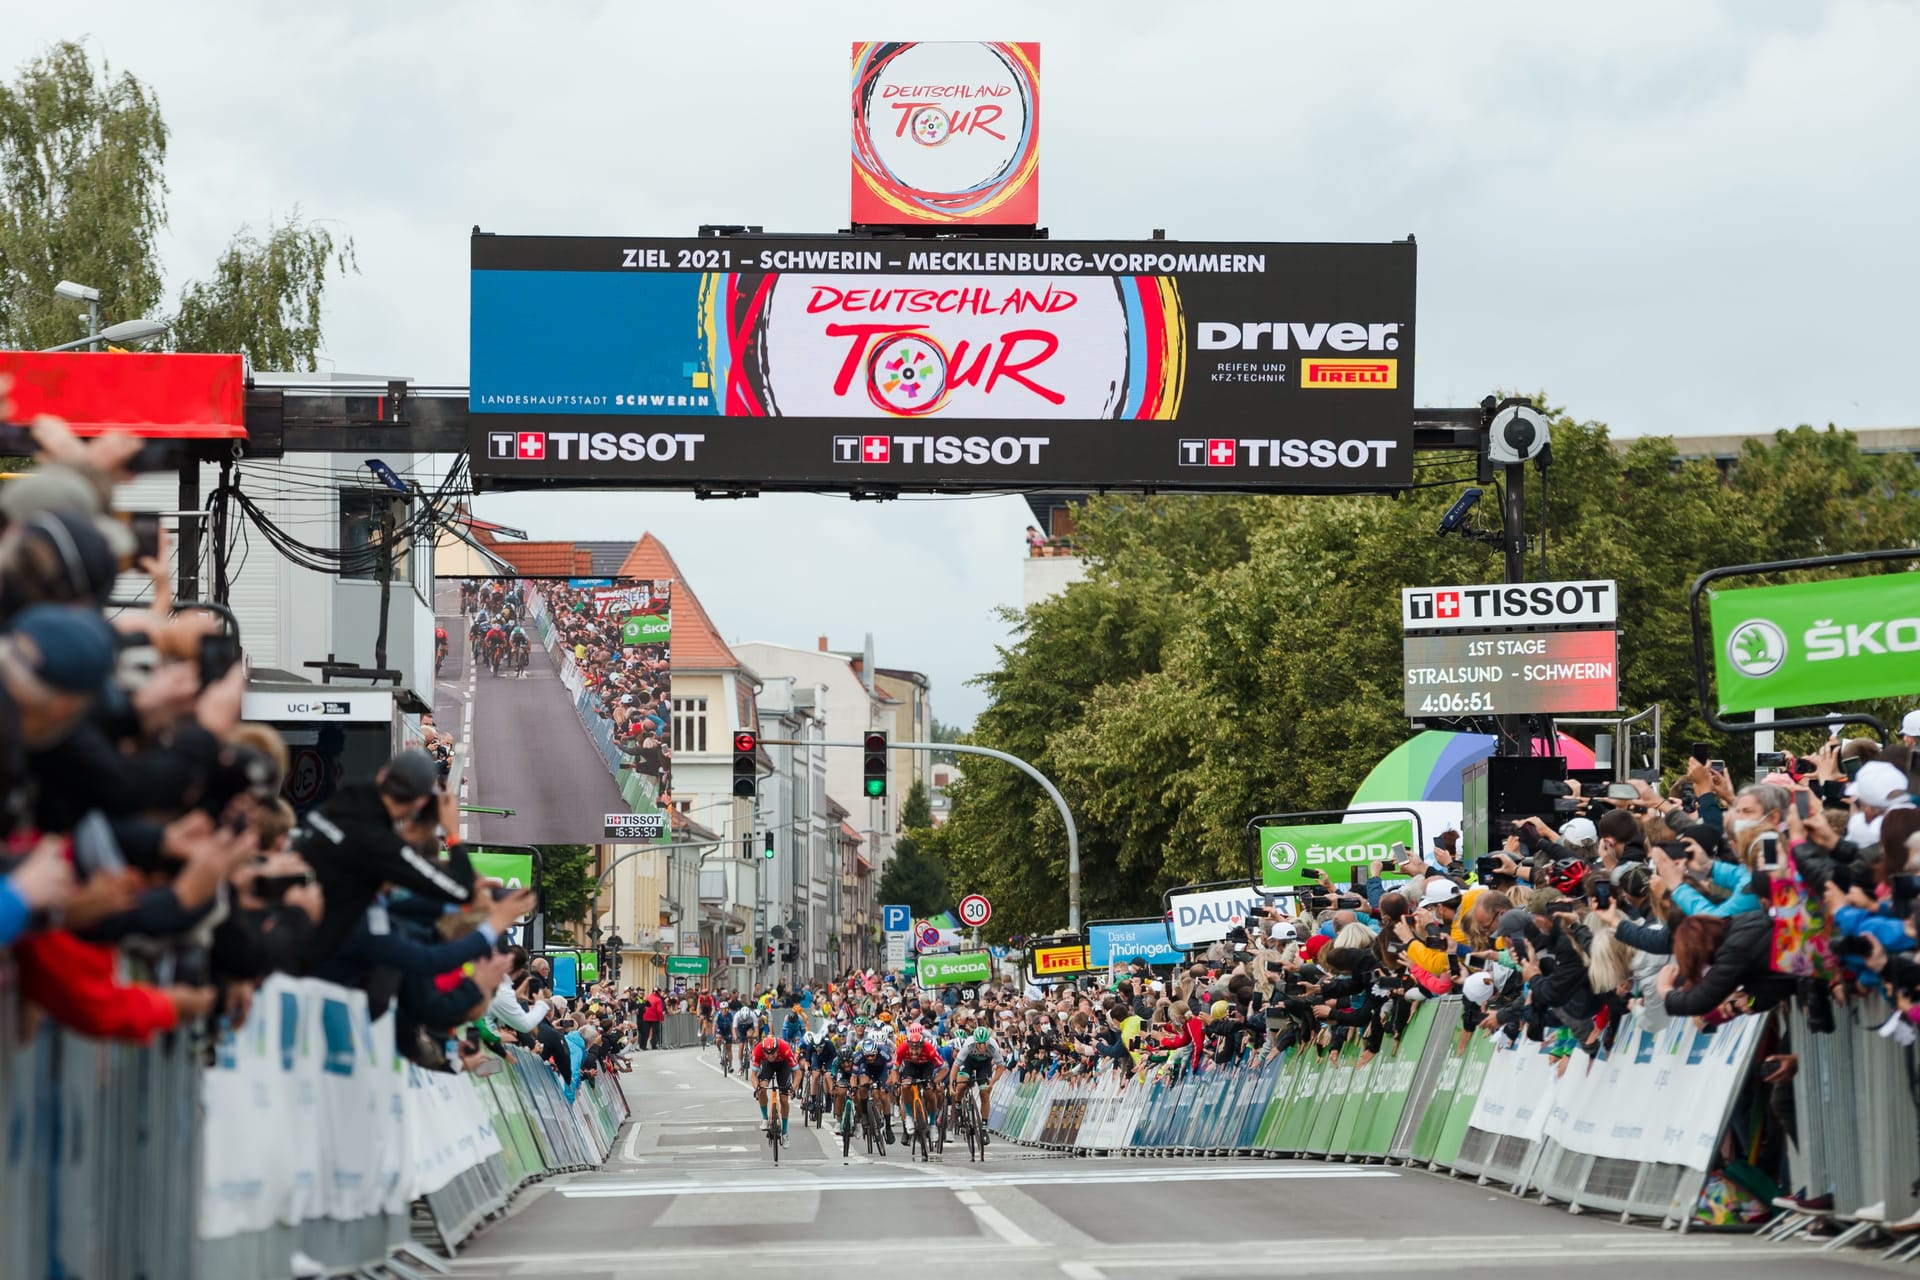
1570, 877
767, 1037
860, 1022
916, 1032
982, 1036
806, 1041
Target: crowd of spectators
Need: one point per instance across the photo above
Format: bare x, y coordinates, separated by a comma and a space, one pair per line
628, 685
154, 877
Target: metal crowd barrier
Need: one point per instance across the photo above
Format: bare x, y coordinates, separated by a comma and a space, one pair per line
1856, 1126
90, 1124
1633, 1133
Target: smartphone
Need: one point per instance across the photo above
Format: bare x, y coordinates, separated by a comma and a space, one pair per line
146, 535
1356, 878
1700, 751
1718, 766
1849, 769
1622, 791
217, 656
1602, 894
1769, 759
1769, 847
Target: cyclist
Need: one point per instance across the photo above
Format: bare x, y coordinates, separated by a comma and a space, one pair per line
873, 1069
496, 646
520, 647
794, 1027
916, 1061
976, 1061
723, 1033
744, 1026
705, 1005
477, 633
439, 648
773, 1062
836, 1055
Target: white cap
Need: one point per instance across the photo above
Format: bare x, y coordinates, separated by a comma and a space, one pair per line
1880, 785
1579, 831
1479, 988
1439, 890
1283, 932
1911, 725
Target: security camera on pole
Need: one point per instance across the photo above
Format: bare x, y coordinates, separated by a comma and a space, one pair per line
1516, 435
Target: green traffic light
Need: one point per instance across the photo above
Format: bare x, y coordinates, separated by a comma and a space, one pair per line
876, 786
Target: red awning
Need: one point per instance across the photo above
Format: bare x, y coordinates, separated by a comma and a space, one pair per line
156, 396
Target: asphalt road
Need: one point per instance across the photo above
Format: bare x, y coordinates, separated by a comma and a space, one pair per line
521, 746
691, 1190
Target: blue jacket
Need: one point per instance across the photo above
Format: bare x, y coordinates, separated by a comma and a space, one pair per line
577, 1050
1728, 875
1858, 921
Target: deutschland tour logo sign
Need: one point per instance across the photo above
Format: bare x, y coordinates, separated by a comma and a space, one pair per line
1809, 644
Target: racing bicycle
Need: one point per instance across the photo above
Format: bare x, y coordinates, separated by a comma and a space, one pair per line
921, 1137
966, 1118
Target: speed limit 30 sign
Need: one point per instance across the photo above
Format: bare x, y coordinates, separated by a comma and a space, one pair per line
975, 911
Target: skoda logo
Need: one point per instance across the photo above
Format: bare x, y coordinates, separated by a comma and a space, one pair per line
1281, 856
1757, 648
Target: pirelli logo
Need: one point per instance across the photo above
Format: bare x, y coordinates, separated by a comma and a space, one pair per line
1350, 375
1059, 960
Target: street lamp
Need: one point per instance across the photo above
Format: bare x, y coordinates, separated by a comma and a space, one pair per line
81, 293
125, 332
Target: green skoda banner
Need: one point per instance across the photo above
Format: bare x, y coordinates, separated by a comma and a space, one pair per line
515, 870
589, 966
1287, 854
971, 966
1807, 644
646, 628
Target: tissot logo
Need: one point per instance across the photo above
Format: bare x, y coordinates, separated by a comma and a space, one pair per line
502, 444
1004, 451
533, 445
1287, 454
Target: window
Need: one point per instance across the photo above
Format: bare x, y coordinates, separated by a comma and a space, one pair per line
360, 514
690, 725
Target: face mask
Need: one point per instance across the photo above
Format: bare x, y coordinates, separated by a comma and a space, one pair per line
1743, 825
1863, 831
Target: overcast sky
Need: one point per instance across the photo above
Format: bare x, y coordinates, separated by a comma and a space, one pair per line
1675, 217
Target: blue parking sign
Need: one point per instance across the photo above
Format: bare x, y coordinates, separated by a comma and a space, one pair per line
897, 919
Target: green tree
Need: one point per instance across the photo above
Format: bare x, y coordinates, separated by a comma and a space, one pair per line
1234, 656
83, 197
566, 888
944, 732
916, 874
916, 811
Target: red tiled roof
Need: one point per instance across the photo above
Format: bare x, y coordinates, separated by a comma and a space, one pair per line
540, 559
697, 645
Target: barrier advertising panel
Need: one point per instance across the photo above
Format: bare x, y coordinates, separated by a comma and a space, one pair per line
1289, 854
1809, 643
933, 365
1124, 941
1200, 918
972, 966
946, 132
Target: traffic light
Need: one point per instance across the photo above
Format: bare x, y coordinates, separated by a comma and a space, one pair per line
876, 765
773, 954
746, 763
768, 855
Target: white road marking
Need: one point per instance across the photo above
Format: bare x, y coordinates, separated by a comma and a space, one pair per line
1082, 1271
958, 1181
633, 1140
1001, 1225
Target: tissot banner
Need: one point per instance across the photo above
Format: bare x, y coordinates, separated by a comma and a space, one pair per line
1805, 644
860, 364
946, 131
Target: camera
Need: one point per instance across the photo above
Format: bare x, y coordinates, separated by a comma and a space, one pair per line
1858, 945
1771, 759
1486, 867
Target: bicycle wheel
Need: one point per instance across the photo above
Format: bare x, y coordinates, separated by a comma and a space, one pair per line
846, 1129
970, 1121
922, 1135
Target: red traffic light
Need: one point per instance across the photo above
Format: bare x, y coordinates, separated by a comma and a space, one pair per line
746, 743
876, 743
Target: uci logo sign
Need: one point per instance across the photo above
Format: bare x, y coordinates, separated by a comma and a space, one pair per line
1757, 648
1281, 856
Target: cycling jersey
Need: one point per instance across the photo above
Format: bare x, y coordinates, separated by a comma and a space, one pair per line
519, 636
780, 1055
826, 1054
792, 1029
723, 1024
